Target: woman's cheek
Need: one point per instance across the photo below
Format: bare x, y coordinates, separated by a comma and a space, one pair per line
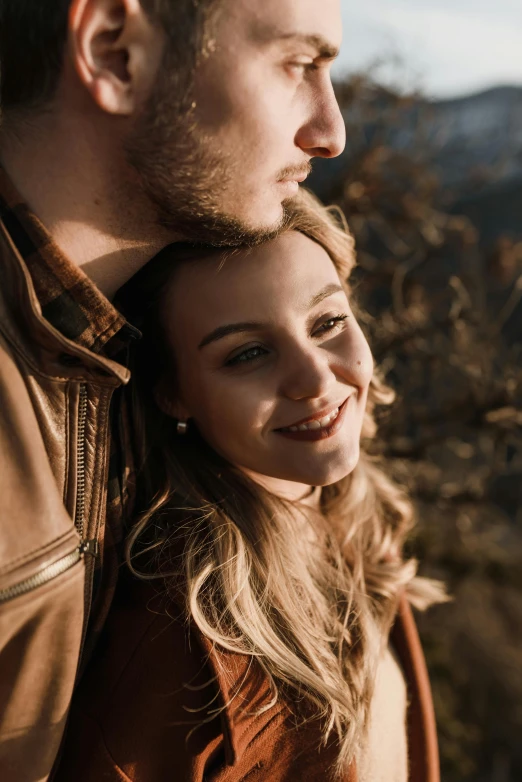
225, 418
365, 360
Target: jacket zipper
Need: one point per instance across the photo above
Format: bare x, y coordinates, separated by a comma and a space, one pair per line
79, 515
87, 546
55, 569
44, 575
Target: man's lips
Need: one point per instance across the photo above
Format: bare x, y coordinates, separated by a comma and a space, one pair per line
297, 174
295, 178
317, 427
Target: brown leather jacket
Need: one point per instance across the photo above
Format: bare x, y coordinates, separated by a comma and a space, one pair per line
154, 678
54, 405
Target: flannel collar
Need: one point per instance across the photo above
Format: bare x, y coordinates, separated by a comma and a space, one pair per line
68, 298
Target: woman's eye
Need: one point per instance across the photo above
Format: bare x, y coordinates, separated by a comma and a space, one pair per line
331, 324
250, 354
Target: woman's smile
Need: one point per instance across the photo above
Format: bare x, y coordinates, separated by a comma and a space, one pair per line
319, 427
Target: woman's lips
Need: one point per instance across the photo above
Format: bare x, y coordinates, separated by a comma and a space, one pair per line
316, 429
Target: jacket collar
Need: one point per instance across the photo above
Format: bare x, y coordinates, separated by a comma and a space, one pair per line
253, 694
244, 691
60, 300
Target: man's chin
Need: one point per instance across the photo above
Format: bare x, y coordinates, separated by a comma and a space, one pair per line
257, 231
265, 224
224, 229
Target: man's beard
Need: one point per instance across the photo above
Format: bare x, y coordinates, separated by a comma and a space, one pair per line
182, 178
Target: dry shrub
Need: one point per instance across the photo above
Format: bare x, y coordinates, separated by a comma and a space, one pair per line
444, 317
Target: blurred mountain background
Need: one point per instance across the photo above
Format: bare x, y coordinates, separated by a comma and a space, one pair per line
432, 190
473, 145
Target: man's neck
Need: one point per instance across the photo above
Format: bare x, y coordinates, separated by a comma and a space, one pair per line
76, 188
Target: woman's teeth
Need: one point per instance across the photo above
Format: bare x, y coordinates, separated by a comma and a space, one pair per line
319, 423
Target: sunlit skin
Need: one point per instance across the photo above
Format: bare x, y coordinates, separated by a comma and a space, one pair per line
300, 352
274, 114
263, 108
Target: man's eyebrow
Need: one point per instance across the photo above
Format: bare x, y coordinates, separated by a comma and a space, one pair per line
231, 328
268, 34
326, 50
328, 290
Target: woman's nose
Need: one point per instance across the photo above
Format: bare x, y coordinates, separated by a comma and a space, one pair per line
306, 375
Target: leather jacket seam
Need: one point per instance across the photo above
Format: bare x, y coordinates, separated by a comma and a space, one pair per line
40, 551
110, 383
12, 341
62, 343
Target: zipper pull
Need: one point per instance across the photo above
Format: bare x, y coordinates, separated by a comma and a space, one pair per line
89, 547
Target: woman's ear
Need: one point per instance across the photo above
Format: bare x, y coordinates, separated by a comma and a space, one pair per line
167, 401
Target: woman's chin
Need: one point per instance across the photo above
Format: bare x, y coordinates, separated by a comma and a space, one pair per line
333, 476
314, 470
324, 472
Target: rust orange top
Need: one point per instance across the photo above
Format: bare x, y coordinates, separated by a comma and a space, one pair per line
158, 703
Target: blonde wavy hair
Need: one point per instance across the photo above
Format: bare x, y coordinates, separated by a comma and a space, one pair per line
313, 611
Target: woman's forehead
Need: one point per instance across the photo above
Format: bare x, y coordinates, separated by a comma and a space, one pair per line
287, 266
276, 285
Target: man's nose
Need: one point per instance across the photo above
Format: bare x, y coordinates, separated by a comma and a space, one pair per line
306, 375
324, 132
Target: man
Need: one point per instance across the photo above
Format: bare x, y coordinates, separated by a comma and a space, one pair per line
125, 126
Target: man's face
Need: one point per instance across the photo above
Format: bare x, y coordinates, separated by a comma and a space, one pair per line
262, 106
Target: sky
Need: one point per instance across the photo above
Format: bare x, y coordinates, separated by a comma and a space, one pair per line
448, 47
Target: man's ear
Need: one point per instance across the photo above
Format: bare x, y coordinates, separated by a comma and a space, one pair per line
168, 402
116, 52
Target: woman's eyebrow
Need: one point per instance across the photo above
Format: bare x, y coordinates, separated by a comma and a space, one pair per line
328, 290
232, 328
240, 328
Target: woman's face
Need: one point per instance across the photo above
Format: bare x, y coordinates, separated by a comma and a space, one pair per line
272, 366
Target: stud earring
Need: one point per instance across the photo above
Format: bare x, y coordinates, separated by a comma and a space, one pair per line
181, 427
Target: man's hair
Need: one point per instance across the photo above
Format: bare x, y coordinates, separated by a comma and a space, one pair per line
33, 34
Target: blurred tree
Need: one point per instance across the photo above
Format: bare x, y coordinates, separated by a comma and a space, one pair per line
444, 318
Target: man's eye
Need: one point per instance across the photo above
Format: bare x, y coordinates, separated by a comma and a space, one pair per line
331, 324
246, 356
301, 67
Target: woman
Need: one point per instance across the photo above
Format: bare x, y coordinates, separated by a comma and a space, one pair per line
255, 644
